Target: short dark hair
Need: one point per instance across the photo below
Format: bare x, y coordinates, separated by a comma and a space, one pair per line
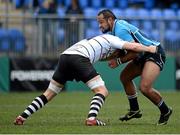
107, 13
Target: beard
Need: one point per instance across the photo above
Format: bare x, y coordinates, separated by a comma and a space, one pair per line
106, 30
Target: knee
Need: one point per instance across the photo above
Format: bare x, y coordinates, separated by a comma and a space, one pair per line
145, 88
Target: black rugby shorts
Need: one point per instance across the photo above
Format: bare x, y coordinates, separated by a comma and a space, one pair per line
72, 67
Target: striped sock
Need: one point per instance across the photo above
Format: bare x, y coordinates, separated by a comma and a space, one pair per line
96, 104
36, 104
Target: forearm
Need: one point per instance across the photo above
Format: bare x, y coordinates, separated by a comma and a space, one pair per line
122, 59
129, 56
139, 47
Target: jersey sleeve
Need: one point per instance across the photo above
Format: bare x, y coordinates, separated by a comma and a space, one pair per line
117, 43
124, 35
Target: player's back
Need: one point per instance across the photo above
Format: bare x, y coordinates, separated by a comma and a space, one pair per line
96, 48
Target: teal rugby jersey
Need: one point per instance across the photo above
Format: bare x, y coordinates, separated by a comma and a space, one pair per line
129, 32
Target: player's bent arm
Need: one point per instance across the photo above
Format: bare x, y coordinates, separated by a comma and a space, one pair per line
122, 59
129, 56
139, 47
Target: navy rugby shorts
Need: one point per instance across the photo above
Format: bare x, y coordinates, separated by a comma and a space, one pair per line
158, 58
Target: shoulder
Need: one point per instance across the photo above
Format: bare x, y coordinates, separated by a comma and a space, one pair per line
121, 25
122, 22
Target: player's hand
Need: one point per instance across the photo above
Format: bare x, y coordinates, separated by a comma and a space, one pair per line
113, 63
153, 49
158, 50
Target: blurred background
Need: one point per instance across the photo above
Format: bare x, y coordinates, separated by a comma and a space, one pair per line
34, 32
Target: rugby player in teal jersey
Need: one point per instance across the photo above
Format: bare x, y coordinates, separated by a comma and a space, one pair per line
145, 65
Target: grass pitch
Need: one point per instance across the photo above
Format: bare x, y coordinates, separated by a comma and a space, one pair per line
67, 112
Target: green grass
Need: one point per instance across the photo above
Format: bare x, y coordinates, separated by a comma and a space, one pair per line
67, 112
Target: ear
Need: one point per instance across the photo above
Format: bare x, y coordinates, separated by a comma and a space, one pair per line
109, 20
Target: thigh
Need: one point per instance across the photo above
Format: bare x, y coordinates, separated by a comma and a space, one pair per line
131, 71
150, 72
60, 75
153, 64
83, 69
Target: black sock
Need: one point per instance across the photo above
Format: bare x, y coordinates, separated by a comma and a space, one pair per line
133, 103
36, 104
163, 107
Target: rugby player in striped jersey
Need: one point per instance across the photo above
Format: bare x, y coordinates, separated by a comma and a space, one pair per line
77, 63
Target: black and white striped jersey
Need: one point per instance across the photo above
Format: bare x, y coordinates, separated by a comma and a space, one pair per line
96, 48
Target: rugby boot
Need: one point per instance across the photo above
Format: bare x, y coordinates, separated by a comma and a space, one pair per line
19, 120
164, 117
131, 115
94, 122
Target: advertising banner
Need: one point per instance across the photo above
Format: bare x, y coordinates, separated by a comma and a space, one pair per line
31, 74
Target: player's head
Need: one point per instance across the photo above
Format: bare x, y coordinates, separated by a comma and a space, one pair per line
106, 19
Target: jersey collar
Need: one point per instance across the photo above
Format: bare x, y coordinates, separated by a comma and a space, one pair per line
114, 25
